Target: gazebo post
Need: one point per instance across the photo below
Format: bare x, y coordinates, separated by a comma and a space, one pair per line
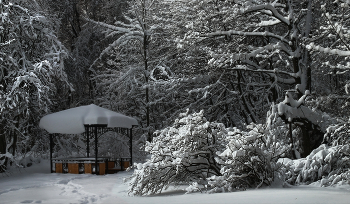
96, 152
130, 146
87, 140
51, 141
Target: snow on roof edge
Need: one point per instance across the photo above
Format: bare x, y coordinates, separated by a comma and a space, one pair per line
72, 121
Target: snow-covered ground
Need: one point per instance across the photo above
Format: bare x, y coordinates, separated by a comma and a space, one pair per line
36, 185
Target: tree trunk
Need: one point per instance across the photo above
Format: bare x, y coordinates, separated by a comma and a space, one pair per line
3, 147
305, 142
307, 129
15, 137
145, 48
245, 103
301, 64
311, 137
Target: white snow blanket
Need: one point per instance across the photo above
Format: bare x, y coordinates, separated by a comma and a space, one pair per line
36, 185
72, 121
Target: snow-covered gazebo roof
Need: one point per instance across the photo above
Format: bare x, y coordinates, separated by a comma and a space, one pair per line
73, 121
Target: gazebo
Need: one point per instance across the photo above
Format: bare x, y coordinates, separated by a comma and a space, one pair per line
91, 120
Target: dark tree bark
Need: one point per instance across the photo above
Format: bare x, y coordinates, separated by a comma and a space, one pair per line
2, 147
246, 105
310, 138
311, 135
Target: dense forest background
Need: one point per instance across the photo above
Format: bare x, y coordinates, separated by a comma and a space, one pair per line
241, 62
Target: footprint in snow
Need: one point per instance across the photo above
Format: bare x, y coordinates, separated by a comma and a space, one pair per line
27, 201
64, 181
31, 201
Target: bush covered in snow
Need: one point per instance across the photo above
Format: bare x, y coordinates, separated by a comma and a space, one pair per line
250, 158
180, 154
206, 155
326, 165
338, 134
329, 164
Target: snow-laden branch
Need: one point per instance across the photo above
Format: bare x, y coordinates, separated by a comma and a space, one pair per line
268, 23
285, 81
295, 103
299, 114
109, 26
313, 47
7, 42
292, 110
345, 68
269, 47
244, 57
275, 71
242, 33
131, 35
271, 8
336, 27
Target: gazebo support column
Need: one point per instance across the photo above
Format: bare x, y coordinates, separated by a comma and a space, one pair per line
87, 130
96, 152
130, 147
51, 146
